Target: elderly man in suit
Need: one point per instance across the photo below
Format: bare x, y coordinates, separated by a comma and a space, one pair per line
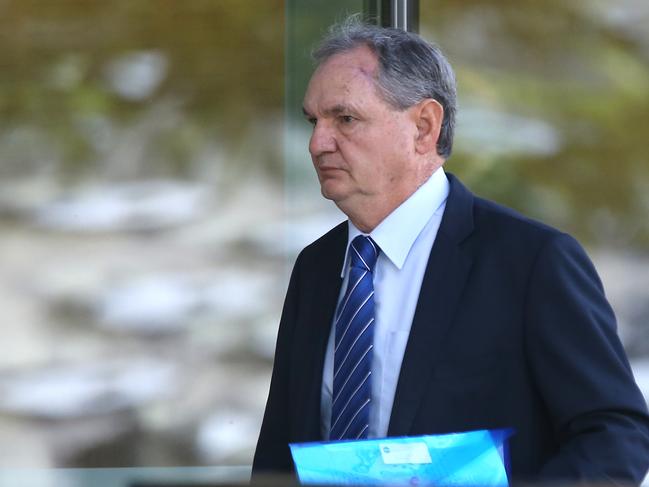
432, 310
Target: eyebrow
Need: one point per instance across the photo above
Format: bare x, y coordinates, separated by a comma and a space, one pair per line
334, 110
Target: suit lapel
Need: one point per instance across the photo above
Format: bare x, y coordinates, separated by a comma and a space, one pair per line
446, 272
325, 289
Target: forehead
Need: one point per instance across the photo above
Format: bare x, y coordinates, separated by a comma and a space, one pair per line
360, 59
347, 75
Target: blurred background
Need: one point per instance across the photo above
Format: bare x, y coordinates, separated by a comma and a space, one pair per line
155, 188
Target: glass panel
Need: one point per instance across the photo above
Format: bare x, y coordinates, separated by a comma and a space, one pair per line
308, 214
140, 195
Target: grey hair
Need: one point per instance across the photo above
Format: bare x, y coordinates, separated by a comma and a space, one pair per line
410, 68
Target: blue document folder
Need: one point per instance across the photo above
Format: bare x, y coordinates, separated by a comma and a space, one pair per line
474, 458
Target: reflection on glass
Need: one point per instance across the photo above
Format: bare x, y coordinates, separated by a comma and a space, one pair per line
140, 212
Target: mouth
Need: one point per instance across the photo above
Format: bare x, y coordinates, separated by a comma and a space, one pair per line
328, 172
327, 168
324, 166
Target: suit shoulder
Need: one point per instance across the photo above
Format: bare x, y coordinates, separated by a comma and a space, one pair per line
326, 245
497, 219
516, 235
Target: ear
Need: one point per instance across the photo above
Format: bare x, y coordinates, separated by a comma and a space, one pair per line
428, 117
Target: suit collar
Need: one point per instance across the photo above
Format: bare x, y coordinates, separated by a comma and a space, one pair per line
446, 273
396, 234
457, 222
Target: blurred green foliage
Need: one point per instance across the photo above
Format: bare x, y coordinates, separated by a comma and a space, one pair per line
581, 68
554, 95
223, 72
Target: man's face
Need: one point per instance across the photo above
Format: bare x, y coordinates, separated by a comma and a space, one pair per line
362, 148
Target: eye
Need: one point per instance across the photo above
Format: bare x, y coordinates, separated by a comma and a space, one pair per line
346, 119
312, 120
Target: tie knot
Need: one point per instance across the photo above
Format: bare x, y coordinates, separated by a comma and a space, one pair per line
364, 253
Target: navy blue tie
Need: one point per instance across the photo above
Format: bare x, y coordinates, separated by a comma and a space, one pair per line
354, 338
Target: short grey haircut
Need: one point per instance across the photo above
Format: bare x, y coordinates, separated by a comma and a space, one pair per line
410, 68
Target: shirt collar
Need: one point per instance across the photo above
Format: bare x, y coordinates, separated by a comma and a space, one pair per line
396, 234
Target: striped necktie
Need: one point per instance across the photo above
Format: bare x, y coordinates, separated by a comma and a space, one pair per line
354, 337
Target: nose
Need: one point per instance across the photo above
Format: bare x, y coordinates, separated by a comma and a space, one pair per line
322, 140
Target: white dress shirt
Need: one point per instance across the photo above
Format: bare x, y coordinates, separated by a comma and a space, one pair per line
405, 238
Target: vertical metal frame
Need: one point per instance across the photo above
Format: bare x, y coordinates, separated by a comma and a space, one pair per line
400, 14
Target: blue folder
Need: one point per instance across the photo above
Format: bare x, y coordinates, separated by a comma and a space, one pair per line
474, 458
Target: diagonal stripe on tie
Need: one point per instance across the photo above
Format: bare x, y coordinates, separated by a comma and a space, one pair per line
354, 337
361, 339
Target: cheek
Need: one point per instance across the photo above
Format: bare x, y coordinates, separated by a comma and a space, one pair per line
376, 155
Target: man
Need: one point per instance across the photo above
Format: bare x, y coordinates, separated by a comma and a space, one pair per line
432, 310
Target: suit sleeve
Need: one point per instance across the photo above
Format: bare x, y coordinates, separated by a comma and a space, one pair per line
272, 454
600, 417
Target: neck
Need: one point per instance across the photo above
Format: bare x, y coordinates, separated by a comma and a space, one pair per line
365, 224
368, 213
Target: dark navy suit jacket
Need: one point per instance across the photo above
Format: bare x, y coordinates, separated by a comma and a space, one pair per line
512, 329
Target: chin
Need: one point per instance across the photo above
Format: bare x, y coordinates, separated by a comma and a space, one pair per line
333, 192
328, 195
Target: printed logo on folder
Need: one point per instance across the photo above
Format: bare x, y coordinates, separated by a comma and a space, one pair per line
457, 459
